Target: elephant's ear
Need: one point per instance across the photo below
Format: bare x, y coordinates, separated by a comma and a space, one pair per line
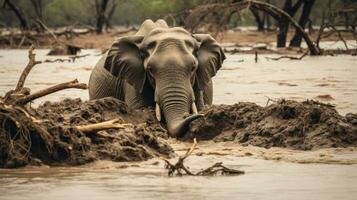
124, 61
210, 58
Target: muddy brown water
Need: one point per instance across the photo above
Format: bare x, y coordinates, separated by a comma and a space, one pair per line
270, 174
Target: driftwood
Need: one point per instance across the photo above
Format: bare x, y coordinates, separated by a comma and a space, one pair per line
111, 124
179, 169
18, 125
22, 96
288, 57
69, 59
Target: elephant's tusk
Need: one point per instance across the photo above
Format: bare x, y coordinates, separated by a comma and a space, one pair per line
158, 112
194, 108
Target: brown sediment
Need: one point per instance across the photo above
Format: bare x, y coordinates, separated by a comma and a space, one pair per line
308, 125
296, 125
65, 145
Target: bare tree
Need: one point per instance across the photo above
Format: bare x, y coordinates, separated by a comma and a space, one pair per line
202, 12
108, 24
304, 18
38, 7
259, 18
283, 22
18, 12
101, 17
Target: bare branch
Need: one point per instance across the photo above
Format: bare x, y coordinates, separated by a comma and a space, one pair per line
114, 123
289, 57
32, 62
179, 168
50, 90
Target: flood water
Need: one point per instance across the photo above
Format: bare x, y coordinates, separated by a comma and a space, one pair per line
330, 79
323, 174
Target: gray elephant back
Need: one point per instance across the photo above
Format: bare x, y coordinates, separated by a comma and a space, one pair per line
103, 84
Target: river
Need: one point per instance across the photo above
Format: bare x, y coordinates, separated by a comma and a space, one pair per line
269, 174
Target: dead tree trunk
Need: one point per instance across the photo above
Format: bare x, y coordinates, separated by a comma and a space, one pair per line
283, 25
108, 24
267, 18
202, 11
19, 14
260, 20
38, 7
304, 18
283, 22
101, 18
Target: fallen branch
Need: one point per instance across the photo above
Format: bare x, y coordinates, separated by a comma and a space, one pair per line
288, 57
32, 62
50, 90
70, 59
114, 123
22, 95
216, 169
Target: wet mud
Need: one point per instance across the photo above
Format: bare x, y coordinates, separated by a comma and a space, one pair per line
66, 145
307, 125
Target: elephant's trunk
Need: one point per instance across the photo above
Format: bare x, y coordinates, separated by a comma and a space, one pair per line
175, 98
175, 112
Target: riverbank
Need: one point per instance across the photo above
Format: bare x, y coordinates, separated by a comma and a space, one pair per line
90, 40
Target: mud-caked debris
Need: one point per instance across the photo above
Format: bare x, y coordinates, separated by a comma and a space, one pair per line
63, 144
296, 125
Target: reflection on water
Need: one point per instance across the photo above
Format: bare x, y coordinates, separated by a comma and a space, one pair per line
237, 81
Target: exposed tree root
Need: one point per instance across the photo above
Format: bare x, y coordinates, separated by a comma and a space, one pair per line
179, 169
19, 129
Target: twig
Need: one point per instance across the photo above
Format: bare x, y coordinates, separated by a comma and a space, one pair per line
49, 31
73, 58
256, 56
340, 36
216, 169
50, 90
70, 59
32, 62
57, 60
288, 57
269, 100
114, 123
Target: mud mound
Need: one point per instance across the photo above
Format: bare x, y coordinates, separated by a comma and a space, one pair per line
65, 145
296, 125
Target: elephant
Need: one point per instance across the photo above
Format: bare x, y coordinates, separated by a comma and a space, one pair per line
162, 67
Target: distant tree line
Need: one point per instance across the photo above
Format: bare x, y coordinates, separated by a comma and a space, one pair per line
104, 14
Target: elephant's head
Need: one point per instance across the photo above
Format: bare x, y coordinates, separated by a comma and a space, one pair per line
173, 61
